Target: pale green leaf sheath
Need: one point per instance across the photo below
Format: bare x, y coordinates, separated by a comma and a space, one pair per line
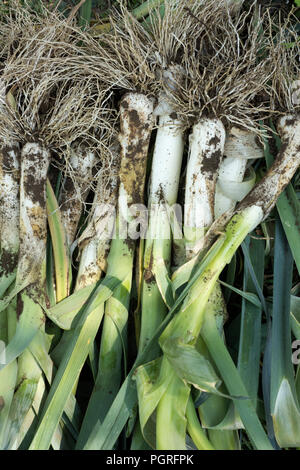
71, 364
60, 246
93, 262
29, 374
8, 377
187, 334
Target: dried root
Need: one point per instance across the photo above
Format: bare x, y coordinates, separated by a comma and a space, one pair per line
121, 57
52, 99
284, 52
133, 55
223, 77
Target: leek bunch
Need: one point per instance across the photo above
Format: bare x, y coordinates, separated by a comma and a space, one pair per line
131, 173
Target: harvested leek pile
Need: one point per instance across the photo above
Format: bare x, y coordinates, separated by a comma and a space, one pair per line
149, 226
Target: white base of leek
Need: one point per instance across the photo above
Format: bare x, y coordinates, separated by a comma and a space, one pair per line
240, 146
206, 150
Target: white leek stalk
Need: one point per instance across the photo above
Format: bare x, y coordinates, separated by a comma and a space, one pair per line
95, 240
136, 127
9, 206
165, 174
186, 325
262, 198
30, 280
206, 152
33, 221
9, 243
31, 271
9, 213
136, 122
82, 162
